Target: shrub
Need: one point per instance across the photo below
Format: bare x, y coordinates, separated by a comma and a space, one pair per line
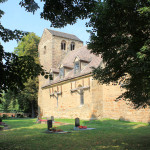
5, 116
21, 116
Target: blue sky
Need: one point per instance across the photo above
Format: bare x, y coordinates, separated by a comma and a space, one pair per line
16, 17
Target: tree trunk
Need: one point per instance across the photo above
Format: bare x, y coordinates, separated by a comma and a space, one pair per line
33, 114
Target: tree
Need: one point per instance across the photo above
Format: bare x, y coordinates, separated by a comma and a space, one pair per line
62, 12
9, 102
27, 98
14, 70
121, 35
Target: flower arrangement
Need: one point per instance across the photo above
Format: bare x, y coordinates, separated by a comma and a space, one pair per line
54, 129
82, 127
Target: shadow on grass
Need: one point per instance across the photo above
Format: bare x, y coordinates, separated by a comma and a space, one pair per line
109, 134
19, 122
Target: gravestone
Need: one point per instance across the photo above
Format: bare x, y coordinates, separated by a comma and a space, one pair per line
52, 118
77, 122
49, 124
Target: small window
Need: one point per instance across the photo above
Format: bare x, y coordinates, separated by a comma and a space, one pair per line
72, 46
44, 52
61, 73
81, 97
77, 67
63, 45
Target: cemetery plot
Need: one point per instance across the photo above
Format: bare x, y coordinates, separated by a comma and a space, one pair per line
51, 129
80, 127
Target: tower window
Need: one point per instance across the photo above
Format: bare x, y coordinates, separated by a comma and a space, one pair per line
63, 45
72, 46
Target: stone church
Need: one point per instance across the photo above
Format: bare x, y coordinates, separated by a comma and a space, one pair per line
72, 92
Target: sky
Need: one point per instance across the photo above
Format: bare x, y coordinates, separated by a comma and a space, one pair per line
16, 17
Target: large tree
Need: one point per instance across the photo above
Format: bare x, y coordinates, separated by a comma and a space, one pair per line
27, 98
121, 34
14, 70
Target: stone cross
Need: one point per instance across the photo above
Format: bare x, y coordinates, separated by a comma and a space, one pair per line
77, 122
49, 124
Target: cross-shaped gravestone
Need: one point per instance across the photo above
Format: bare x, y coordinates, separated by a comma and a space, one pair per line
77, 122
49, 124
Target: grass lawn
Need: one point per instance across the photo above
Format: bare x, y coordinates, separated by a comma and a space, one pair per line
109, 134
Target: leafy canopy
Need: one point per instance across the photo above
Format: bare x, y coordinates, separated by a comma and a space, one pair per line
27, 98
121, 35
14, 70
61, 12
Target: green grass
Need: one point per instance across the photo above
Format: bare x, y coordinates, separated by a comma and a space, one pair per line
109, 134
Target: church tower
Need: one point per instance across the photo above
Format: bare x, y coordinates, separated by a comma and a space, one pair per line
52, 48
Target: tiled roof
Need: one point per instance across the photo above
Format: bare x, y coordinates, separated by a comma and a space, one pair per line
64, 35
84, 54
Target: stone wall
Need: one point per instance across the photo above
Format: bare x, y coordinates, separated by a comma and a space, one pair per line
15, 114
69, 105
120, 109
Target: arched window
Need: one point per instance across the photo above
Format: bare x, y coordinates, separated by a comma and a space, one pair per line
63, 45
72, 46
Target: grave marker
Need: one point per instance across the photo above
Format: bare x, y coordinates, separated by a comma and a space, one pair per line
77, 122
49, 124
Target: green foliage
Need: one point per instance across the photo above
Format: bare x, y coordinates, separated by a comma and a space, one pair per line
121, 35
28, 45
9, 102
27, 98
4, 116
14, 70
61, 13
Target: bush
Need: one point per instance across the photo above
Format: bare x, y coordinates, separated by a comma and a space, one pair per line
21, 116
5, 116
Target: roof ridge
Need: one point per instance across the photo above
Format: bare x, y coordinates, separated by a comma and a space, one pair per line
61, 32
65, 35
